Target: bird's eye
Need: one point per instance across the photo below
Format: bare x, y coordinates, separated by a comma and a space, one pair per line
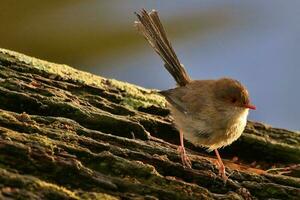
233, 100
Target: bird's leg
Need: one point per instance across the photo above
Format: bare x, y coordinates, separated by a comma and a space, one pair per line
184, 158
222, 171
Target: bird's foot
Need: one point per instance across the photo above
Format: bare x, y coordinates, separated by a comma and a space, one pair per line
184, 158
222, 172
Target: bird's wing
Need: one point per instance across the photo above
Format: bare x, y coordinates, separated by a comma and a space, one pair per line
193, 99
174, 97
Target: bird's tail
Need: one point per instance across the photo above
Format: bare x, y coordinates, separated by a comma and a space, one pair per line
150, 26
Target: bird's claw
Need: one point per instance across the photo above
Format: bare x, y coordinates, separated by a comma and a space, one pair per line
222, 172
184, 158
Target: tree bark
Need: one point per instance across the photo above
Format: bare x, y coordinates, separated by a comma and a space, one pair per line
68, 134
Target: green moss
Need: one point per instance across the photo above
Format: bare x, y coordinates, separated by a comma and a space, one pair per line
135, 96
64, 71
44, 141
31, 184
53, 187
272, 190
5, 117
97, 196
134, 103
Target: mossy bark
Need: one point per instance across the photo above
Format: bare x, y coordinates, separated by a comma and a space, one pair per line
67, 134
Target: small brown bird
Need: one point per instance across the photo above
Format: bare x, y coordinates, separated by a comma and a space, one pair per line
209, 113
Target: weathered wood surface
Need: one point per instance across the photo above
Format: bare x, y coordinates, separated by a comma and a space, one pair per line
67, 134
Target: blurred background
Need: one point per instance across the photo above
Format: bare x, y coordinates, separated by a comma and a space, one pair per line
256, 42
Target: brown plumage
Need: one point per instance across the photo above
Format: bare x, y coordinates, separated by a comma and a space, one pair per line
210, 113
150, 27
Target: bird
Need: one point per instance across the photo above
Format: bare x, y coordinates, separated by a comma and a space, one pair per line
208, 113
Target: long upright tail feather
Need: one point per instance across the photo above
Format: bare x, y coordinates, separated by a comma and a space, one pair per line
150, 26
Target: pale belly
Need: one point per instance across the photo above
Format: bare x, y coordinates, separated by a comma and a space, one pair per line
200, 133
226, 137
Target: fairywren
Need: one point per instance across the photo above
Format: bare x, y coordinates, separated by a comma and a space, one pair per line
208, 113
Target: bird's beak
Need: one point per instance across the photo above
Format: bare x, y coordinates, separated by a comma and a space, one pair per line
252, 107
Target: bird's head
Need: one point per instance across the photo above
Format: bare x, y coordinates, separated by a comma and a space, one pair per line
231, 92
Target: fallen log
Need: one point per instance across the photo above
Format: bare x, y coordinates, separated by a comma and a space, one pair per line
68, 134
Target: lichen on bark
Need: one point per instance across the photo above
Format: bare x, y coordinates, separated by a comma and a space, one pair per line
68, 134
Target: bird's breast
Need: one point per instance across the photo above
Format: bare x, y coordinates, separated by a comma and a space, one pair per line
233, 130
211, 132
237, 126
